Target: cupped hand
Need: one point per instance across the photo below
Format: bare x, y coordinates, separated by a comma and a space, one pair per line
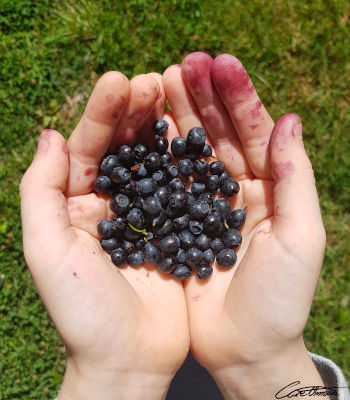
126, 329
246, 320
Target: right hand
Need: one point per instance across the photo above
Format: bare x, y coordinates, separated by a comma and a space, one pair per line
247, 321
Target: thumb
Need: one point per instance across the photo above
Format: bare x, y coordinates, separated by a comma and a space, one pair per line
296, 206
45, 220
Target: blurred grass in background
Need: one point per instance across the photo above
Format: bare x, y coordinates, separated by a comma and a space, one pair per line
51, 54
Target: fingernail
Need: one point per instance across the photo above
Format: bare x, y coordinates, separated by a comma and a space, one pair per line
297, 131
44, 142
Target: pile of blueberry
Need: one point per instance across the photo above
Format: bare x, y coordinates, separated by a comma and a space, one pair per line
157, 219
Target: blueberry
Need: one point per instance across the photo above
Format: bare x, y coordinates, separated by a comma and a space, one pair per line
196, 227
163, 193
136, 218
110, 244
190, 199
140, 244
229, 187
118, 257
179, 146
232, 238
185, 167
161, 144
217, 168
223, 177
138, 202
126, 155
120, 174
169, 244
217, 245
226, 258
199, 210
201, 167
120, 204
135, 258
207, 197
197, 188
132, 235
177, 184
129, 189
140, 151
193, 154
102, 184
186, 239
165, 159
202, 242
151, 253
159, 176
212, 183
171, 171
213, 225
120, 223
237, 218
166, 264
182, 271
165, 230
127, 246
208, 256
223, 207
178, 199
152, 205
146, 187
109, 163
139, 170
207, 150
193, 257
152, 162
171, 212
204, 270
180, 256
160, 126
181, 223
196, 137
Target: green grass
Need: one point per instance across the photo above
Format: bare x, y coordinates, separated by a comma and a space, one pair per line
51, 51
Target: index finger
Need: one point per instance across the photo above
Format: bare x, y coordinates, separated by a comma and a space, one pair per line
92, 136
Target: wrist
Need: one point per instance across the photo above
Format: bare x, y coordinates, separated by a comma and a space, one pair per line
267, 378
83, 382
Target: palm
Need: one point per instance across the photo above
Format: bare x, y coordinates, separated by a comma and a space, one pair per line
264, 300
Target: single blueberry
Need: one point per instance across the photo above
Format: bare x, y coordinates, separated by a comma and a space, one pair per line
135, 218
232, 238
193, 257
185, 167
197, 188
120, 204
140, 151
118, 257
181, 223
202, 242
102, 184
208, 256
146, 187
182, 271
196, 137
110, 244
217, 245
109, 163
135, 258
237, 218
223, 207
229, 187
177, 184
160, 126
196, 227
186, 239
169, 244
152, 162
121, 174
217, 168
179, 146
199, 210
204, 270
166, 265
212, 183
226, 258
207, 150
151, 253
201, 167
161, 144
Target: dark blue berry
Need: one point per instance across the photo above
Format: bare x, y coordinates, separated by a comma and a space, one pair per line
177, 184
165, 230
213, 225
120, 223
212, 183
207, 150
201, 167
132, 235
193, 154
126, 155
193, 257
199, 210
159, 176
217, 245
196, 227
208, 256
146, 187
196, 137
140, 151
151, 253
204, 270
160, 126
179, 146
127, 246
217, 168
237, 218
223, 207
163, 193
109, 163
120, 174
110, 244
120, 204
165, 159
166, 265
135, 218
178, 199
226, 258
135, 258
181, 223
152, 205
118, 257
180, 256
182, 271
102, 184
171, 171
152, 162
186, 239
140, 244
223, 177
229, 187
197, 188
161, 144
159, 221
190, 199
202, 242
185, 167
207, 197
232, 238
169, 244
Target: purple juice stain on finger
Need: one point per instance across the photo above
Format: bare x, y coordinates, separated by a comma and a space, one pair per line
196, 72
211, 117
284, 130
64, 148
89, 171
115, 114
144, 95
254, 126
109, 98
282, 170
231, 79
159, 96
255, 112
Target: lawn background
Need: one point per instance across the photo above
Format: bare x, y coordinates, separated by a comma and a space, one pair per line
52, 53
